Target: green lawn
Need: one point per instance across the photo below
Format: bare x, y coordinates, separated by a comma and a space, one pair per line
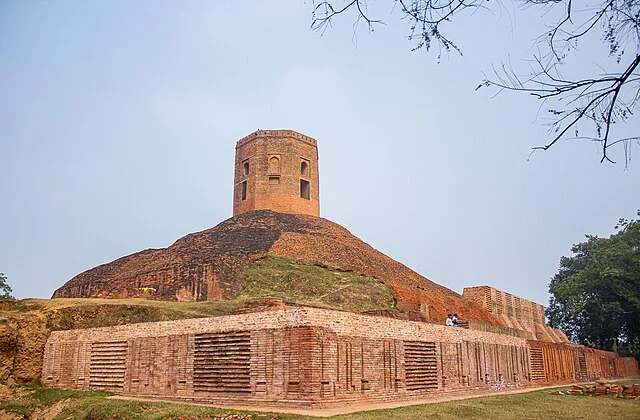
542, 404
532, 405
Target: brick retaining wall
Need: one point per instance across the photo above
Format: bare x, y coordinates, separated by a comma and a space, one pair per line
302, 357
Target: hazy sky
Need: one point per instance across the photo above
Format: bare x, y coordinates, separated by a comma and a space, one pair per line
118, 123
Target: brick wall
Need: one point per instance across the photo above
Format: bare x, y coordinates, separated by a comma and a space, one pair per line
298, 357
564, 363
270, 168
514, 312
309, 357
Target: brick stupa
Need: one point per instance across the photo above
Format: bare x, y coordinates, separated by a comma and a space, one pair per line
302, 356
276, 210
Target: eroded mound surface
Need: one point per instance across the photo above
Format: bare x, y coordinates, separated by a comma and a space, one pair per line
212, 264
25, 325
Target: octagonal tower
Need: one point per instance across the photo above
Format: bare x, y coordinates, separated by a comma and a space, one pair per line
276, 170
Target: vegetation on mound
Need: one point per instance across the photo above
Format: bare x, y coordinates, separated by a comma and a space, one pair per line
307, 284
60, 404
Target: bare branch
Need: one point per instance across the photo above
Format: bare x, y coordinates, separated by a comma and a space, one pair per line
598, 101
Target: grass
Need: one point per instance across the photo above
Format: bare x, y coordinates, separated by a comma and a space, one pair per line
543, 404
33, 398
531, 405
283, 278
96, 405
176, 309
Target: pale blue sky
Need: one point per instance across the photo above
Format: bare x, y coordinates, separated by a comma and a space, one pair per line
118, 122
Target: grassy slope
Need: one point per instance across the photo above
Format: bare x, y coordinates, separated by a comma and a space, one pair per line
531, 405
282, 278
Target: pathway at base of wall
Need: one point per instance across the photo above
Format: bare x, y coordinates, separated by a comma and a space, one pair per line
349, 408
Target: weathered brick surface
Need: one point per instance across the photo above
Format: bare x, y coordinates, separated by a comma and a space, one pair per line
205, 265
307, 357
333, 246
270, 162
304, 356
209, 265
514, 312
564, 363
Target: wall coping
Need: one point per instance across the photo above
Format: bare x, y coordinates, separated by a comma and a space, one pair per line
342, 323
276, 133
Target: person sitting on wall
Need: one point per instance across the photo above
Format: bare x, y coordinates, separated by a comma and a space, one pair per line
454, 320
449, 321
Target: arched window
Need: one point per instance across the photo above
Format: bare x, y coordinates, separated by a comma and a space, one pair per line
245, 168
305, 189
274, 165
304, 168
243, 190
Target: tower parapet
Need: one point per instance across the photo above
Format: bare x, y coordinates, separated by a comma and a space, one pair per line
276, 170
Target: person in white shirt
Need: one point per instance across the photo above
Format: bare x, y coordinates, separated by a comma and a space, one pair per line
449, 321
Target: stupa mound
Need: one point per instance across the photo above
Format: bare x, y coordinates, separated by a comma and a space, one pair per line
212, 264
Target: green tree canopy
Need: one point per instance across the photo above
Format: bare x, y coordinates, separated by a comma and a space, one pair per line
596, 292
5, 289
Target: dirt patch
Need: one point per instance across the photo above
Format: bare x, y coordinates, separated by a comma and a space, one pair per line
9, 416
8, 393
49, 413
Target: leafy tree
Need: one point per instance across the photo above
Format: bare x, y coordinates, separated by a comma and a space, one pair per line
596, 292
598, 101
5, 289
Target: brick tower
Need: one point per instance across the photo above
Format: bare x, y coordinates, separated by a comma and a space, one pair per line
276, 170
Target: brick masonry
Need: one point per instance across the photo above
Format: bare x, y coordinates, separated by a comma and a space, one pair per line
309, 357
270, 170
514, 312
304, 357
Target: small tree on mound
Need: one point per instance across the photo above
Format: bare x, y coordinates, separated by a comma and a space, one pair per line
5, 289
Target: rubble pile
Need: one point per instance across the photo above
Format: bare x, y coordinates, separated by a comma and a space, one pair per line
604, 387
229, 416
